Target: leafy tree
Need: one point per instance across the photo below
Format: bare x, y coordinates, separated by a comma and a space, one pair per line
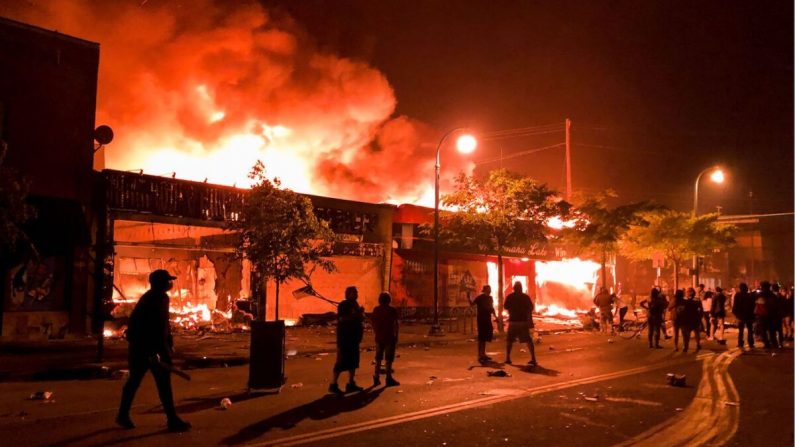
599, 228
678, 235
14, 210
280, 234
504, 210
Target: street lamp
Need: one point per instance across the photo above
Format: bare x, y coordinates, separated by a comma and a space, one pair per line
717, 176
466, 144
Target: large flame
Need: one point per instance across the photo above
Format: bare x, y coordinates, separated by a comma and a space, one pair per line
202, 90
567, 284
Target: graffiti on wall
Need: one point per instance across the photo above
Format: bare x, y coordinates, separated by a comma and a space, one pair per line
35, 285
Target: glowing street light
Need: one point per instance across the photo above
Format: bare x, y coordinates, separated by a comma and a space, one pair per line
717, 176
466, 144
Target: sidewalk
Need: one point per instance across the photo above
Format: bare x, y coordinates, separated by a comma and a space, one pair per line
75, 359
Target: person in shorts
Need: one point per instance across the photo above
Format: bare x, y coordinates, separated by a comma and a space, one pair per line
520, 321
604, 301
385, 327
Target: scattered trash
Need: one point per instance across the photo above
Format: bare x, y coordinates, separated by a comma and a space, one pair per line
610, 340
120, 374
679, 409
399, 391
731, 404
498, 373
676, 379
433, 377
226, 403
297, 385
323, 354
427, 348
41, 395
592, 399
292, 352
523, 350
551, 348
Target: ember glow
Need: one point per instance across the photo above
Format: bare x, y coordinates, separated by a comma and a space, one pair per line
203, 92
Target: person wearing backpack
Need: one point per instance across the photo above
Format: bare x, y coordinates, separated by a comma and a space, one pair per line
743, 309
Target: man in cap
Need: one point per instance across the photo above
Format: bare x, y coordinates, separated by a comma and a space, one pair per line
151, 345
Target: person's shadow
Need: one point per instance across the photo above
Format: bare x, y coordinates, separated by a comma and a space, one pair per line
327, 406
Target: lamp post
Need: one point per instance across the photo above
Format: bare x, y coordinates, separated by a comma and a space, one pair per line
717, 176
465, 144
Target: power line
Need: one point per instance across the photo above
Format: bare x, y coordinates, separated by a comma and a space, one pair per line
520, 154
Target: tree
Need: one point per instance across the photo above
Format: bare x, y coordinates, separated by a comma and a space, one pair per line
280, 234
679, 236
504, 210
599, 228
14, 210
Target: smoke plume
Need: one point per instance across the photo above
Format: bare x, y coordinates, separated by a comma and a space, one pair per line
205, 88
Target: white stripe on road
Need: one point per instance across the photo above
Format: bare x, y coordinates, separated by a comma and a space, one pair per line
461, 406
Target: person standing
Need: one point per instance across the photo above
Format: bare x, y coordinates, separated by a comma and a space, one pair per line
604, 301
786, 311
151, 346
623, 308
485, 309
718, 313
350, 329
743, 310
655, 305
704, 297
766, 311
691, 320
386, 327
520, 321
677, 308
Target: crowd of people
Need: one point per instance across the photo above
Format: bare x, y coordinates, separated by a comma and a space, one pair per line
764, 314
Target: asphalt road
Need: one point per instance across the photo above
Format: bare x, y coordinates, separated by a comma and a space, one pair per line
585, 391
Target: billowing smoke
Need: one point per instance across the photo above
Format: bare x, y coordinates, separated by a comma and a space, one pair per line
205, 88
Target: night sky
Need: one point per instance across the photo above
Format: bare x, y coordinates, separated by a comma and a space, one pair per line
656, 90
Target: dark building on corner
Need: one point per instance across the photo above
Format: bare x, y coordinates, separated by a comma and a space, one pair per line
48, 86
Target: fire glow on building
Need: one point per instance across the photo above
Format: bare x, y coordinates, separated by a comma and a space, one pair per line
202, 93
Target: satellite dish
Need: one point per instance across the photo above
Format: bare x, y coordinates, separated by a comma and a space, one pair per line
103, 134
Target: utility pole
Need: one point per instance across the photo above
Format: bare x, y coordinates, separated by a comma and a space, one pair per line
568, 160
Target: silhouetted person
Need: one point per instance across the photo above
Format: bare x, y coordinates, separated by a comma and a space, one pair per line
766, 311
485, 309
743, 310
604, 301
677, 308
691, 319
350, 329
385, 326
655, 305
149, 335
779, 316
718, 314
520, 321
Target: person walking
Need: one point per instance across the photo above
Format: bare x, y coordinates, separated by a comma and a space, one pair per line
743, 310
604, 301
350, 329
386, 327
485, 309
520, 321
655, 306
718, 313
704, 297
150, 348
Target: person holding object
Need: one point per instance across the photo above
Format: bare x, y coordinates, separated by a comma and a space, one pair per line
151, 346
350, 330
386, 327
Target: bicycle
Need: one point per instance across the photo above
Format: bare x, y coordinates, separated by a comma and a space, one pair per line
632, 328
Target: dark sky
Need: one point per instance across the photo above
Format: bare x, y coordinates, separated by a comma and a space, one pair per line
656, 90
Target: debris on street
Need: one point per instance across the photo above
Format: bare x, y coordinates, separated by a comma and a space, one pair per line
41, 395
498, 373
226, 403
676, 379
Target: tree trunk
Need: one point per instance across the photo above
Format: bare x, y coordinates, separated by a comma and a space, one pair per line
676, 274
500, 288
604, 268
